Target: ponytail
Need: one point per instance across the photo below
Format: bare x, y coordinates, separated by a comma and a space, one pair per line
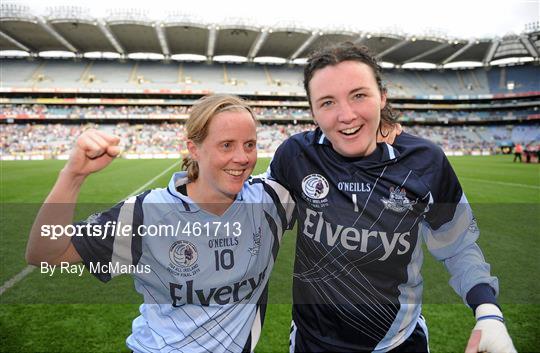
192, 168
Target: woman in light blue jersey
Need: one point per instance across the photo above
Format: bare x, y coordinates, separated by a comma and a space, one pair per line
204, 279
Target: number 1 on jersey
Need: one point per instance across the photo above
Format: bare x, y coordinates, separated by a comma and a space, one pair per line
355, 202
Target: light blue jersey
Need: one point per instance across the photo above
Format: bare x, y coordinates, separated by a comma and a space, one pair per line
203, 277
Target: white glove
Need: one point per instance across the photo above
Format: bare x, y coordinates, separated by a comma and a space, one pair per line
494, 337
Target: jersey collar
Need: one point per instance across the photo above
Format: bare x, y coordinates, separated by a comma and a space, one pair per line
320, 138
179, 179
389, 153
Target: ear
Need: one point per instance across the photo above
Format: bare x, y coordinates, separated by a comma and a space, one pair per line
383, 100
193, 150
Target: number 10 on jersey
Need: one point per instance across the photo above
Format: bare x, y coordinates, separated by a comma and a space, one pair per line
224, 259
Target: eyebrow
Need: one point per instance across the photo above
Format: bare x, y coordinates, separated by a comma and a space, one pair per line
223, 141
354, 90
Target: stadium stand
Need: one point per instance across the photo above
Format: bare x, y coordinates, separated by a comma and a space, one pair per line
253, 78
45, 102
34, 127
514, 79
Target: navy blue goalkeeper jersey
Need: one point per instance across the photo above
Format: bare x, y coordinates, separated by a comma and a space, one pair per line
203, 277
361, 221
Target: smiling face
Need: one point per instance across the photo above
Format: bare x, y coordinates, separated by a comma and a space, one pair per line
346, 104
227, 156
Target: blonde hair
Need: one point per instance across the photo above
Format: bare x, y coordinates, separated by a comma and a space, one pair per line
200, 117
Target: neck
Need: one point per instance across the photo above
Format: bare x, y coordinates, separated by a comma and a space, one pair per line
207, 199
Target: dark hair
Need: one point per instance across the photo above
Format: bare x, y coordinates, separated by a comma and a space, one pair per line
347, 51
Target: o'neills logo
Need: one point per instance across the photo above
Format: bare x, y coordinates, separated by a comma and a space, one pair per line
315, 186
354, 186
183, 256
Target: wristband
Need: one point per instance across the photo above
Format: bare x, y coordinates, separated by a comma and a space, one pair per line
493, 317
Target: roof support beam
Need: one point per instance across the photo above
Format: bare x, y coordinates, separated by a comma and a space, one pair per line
212, 39
429, 52
392, 48
304, 45
57, 35
530, 48
162, 40
114, 42
14, 41
458, 53
491, 52
261, 38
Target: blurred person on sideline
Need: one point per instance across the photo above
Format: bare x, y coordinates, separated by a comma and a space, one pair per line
518, 150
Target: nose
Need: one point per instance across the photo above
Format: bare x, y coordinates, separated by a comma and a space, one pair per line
346, 114
241, 156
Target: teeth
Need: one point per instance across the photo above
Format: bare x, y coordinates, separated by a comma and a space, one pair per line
350, 131
234, 172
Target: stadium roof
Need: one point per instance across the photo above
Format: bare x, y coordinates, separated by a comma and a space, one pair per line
125, 32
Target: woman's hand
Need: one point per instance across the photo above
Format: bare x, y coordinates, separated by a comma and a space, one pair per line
93, 151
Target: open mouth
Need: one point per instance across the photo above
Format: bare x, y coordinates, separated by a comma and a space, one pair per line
234, 172
350, 131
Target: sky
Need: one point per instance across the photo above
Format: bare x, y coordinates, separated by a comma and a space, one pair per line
455, 18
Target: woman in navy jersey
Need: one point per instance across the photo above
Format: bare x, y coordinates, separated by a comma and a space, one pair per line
363, 209
204, 279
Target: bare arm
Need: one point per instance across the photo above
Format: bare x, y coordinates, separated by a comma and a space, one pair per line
93, 151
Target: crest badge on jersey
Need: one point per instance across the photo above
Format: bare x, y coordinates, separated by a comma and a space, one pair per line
315, 188
473, 226
183, 257
398, 201
254, 250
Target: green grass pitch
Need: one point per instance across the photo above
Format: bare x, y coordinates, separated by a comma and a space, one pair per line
38, 314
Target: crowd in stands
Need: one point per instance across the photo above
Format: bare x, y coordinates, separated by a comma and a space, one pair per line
57, 139
459, 115
52, 140
40, 111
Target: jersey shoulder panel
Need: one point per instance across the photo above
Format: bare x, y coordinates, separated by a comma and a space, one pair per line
418, 153
98, 241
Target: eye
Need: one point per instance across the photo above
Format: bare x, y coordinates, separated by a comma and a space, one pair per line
250, 145
359, 95
226, 145
326, 103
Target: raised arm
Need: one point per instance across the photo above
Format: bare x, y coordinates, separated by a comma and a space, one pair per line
93, 151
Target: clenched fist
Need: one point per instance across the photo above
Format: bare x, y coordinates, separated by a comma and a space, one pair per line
93, 151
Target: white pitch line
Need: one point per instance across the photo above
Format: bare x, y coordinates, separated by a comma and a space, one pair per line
15, 279
502, 183
28, 269
151, 181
